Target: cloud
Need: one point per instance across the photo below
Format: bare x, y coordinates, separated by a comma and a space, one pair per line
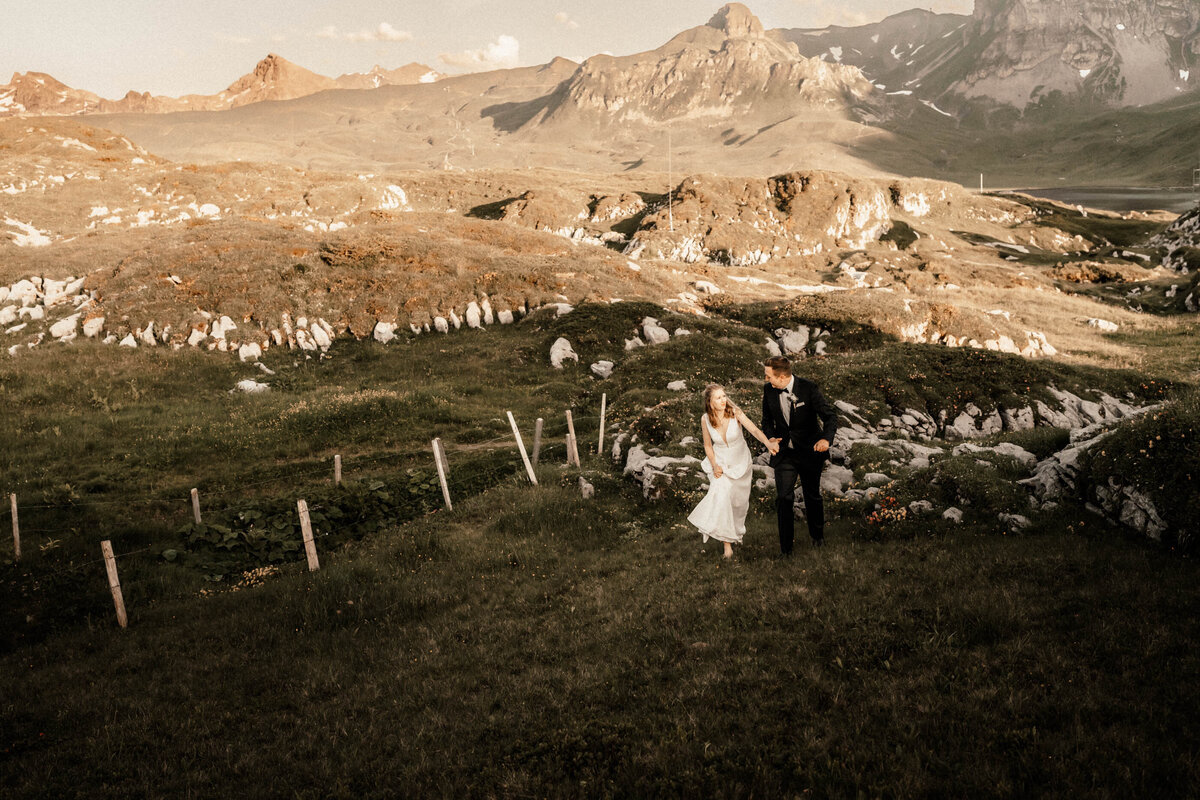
384, 32
500, 54
563, 19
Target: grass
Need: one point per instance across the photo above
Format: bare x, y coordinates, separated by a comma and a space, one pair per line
531, 642
535, 644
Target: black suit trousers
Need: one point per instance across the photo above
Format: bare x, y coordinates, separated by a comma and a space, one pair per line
807, 468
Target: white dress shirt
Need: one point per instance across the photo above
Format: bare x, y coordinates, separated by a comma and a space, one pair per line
785, 401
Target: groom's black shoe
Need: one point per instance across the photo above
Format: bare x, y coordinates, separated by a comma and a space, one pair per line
819, 542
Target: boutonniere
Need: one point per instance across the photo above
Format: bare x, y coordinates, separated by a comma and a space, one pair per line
794, 401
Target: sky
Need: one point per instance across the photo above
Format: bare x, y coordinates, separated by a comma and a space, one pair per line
168, 47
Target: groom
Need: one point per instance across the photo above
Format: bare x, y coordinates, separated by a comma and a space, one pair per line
802, 421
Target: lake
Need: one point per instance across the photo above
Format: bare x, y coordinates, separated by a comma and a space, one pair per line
1121, 198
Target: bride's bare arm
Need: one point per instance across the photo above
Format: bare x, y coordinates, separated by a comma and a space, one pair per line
708, 450
750, 426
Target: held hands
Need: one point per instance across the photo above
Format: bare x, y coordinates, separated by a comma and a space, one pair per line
773, 446
717, 471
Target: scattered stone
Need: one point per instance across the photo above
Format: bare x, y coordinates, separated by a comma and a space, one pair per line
1103, 324
586, 489
602, 369
876, 479
835, 479
93, 326
474, 315
773, 348
251, 386
249, 352
129, 341
65, 327
654, 333
505, 317
953, 514
560, 351
682, 332
633, 343
441, 325
1016, 521
677, 386
793, 342
705, 287
384, 332
1004, 448
920, 507
321, 335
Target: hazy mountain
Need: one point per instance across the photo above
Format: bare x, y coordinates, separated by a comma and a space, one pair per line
273, 78
378, 76
1023, 52
38, 93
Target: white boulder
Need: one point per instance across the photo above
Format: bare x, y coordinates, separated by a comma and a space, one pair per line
602, 369
251, 386
249, 352
1103, 324
65, 327
474, 315
93, 326
384, 332
677, 386
793, 342
654, 333
560, 351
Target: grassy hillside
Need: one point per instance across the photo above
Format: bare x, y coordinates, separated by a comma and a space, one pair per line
532, 642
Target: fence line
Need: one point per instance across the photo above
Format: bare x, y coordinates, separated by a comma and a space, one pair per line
109, 558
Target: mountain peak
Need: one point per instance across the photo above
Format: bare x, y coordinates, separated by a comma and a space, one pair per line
734, 19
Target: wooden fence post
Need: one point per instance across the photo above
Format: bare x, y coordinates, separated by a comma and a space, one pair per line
337, 470
603, 409
537, 440
114, 583
521, 446
571, 431
310, 547
572, 450
439, 457
16, 528
196, 505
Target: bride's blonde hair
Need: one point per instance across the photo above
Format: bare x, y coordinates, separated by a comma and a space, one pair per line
730, 408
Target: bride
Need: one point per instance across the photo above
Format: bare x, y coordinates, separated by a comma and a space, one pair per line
721, 515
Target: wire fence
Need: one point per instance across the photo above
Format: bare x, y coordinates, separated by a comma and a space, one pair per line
554, 438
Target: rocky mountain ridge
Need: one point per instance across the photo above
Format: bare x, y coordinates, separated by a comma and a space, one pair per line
273, 78
1026, 52
730, 67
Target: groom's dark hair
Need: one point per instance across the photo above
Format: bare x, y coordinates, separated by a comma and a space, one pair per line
779, 364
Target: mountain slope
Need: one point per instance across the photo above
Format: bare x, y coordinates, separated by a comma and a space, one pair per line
726, 68
1026, 52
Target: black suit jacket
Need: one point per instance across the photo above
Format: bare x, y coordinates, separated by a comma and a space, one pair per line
812, 418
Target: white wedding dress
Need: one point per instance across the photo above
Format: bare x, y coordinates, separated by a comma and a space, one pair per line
721, 515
